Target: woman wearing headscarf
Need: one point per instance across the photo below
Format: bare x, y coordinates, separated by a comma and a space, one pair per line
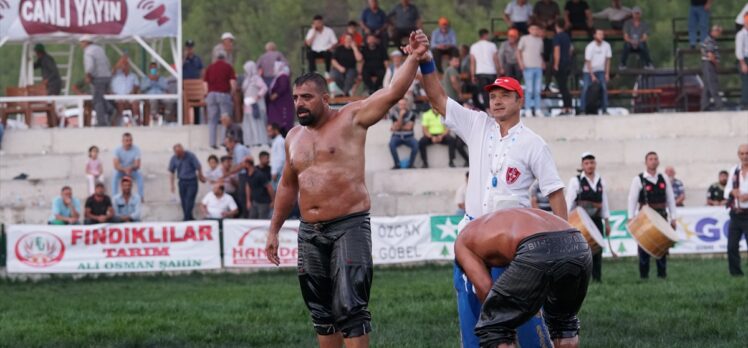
279, 100
255, 119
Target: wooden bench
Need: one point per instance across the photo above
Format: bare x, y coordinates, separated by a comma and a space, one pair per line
342, 100
27, 109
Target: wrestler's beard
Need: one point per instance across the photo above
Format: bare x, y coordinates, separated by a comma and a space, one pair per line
307, 120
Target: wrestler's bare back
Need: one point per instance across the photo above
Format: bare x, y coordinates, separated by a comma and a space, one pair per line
494, 237
328, 161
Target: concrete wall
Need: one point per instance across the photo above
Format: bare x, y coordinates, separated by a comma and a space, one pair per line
698, 145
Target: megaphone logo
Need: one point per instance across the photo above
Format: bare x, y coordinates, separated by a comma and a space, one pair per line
155, 13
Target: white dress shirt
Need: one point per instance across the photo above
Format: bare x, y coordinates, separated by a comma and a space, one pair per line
741, 44
529, 155
742, 186
636, 186
323, 41
572, 190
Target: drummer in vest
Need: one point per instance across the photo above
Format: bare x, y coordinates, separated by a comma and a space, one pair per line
586, 191
653, 189
736, 194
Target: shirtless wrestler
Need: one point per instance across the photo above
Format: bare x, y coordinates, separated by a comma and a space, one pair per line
548, 265
325, 171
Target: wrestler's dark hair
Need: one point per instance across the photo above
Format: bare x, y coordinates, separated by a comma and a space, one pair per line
316, 79
649, 154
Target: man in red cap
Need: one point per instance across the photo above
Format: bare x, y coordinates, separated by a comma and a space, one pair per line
506, 157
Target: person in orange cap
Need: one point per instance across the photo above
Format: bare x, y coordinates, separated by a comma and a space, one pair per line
444, 41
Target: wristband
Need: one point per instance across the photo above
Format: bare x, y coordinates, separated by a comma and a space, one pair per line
427, 67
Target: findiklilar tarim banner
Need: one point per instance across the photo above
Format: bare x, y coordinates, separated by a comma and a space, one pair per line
155, 247
136, 247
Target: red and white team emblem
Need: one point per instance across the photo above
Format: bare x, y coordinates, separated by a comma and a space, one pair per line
512, 174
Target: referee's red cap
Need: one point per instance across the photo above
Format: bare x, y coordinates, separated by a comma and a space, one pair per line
507, 83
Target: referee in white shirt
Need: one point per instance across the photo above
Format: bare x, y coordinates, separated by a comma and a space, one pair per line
505, 159
588, 191
654, 189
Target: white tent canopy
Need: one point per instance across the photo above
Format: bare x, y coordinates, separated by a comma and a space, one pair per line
109, 21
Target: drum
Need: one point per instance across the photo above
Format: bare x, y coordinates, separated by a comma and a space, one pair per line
652, 232
582, 221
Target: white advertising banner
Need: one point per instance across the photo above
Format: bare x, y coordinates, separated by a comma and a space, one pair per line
244, 243
21, 20
129, 247
699, 230
400, 239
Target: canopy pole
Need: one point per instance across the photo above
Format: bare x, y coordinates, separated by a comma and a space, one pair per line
129, 61
155, 55
178, 64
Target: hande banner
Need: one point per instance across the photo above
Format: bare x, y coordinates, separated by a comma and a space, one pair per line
399, 239
129, 247
21, 20
244, 243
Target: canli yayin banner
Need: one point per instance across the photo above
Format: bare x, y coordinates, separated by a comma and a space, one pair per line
24, 19
131, 247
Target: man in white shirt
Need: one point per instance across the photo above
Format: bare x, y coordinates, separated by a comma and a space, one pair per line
505, 159
218, 205
587, 190
741, 53
597, 56
652, 188
615, 13
736, 193
484, 63
517, 15
277, 153
320, 41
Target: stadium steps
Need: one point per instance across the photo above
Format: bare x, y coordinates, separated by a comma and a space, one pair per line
697, 144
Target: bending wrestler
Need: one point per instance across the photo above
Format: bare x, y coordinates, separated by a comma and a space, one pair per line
548, 265
325, 170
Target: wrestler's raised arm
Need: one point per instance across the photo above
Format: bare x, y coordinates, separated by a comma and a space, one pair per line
373, 108
433, 87
285, 198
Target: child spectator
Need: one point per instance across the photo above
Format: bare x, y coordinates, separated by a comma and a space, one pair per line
214, 172
94, 169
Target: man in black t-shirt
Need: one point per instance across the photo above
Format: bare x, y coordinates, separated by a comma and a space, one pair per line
99, 207
578, 16
715, 196
264, 165
259, 192
375, 60
344, 64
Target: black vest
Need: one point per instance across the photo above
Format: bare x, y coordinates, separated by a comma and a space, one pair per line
586, 193
732, 200
652, 193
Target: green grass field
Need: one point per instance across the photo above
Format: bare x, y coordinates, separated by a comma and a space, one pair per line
698, 306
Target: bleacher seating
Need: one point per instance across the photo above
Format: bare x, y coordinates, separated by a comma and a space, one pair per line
56, 157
